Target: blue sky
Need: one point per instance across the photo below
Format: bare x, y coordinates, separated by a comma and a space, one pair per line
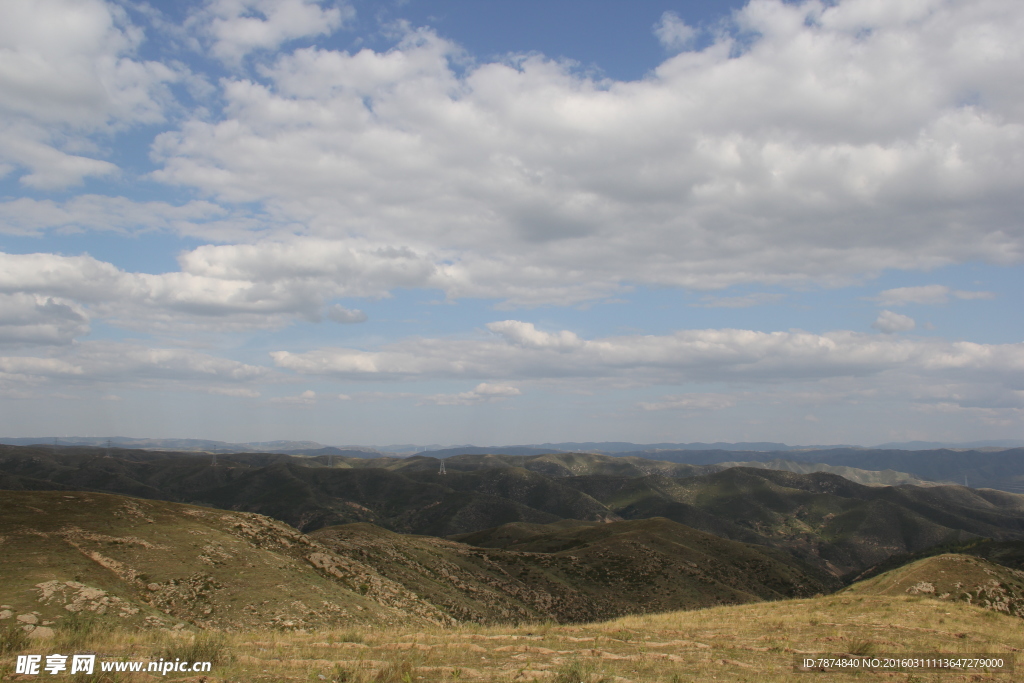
512, 222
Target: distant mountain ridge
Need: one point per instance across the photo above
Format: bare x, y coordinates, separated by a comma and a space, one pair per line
197, 445
820, 518
439, 451
934, 445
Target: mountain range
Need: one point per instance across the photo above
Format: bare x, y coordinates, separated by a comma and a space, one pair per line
820, 518
437, 450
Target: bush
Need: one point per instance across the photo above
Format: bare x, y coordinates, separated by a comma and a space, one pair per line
352, 636
577, 672
395, 672
12, 639
203, 647
76, 628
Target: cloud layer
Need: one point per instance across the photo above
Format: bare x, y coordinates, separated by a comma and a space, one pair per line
520, 350
69, 69
790, 147
833, 141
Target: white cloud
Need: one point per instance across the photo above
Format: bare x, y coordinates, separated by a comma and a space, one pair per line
927, 294
66, 70
26, 216
267, 285
685, 356
306, 398
94, 365
238, 392
51, 169
833, 141
969, 295
31, 366
33, 319
673, 33
890, 322
692, 402
483, 393
237, 27
528, 336
345, 316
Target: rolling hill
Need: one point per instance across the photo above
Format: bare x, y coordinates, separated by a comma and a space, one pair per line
145, 563
953, 577
820, 518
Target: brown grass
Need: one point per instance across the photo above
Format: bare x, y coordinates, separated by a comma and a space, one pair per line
756, 642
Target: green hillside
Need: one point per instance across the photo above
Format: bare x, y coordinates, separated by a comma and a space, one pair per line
145, 562
820, 518
953, 577
581, 573
152, 563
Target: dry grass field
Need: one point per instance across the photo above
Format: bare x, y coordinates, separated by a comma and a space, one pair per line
755, 642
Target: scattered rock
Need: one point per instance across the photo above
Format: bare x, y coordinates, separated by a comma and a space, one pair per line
40, 632
921, 587
28, 618
733, 662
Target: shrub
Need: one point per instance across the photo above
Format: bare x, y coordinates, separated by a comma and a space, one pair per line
75, 629
12, 639
203, 647
576, 671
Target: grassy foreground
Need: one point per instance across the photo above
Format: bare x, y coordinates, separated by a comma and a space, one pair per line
755, 642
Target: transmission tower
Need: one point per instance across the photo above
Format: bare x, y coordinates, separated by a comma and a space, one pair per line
441, 471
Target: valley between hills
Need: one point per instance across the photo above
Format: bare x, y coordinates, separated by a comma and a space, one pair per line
556, 567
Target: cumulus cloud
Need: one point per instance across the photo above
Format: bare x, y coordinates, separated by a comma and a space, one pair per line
927, 294
811, 142
237, 27
526, 335
33, 319
890, 322
673, 33
67, 69
265, 285
92, 363
483, 393
682, 357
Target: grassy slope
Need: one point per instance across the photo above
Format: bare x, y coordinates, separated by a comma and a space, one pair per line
212, 568
887, 477
953, 577
98, 552
819, 516
154, 562
755, 643
401, 496
582, 572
